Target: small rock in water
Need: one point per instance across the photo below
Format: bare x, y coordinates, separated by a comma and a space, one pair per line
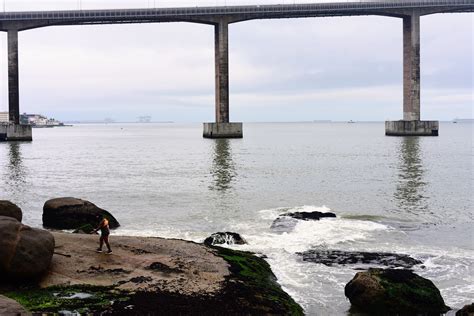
287, 222
394, 291
221, 238
284, 224
309, 216
331, 257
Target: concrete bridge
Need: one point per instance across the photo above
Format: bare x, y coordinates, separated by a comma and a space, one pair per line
221, 17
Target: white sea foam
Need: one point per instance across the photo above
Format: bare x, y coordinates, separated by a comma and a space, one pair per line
321, 288
318, 287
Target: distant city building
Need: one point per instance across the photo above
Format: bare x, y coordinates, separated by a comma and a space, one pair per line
38, 120
4, 117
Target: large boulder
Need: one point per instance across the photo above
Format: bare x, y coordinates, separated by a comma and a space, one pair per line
25, 252
9, 307
9, 209
72, 213
392, 291
340, 257
221, 238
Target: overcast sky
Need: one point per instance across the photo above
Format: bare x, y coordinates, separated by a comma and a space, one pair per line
338, 68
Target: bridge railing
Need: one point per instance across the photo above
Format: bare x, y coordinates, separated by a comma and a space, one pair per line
112, 14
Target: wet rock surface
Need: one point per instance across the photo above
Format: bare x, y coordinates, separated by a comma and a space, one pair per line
286, 222
339, 257
309, 216
221, 238
9, 209
25, 252
72, 213
394, 291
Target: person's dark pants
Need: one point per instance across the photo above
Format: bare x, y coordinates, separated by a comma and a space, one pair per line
104, 238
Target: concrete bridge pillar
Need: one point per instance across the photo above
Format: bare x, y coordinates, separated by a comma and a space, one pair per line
13, 131
13, 88
411, 125
222, 128
411, 68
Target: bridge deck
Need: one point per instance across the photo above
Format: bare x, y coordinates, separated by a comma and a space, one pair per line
239, 13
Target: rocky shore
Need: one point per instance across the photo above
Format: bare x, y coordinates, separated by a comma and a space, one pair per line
143, 276
151, 276
50, 272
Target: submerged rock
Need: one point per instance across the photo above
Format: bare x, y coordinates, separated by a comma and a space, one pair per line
72, 213
467, 310
394, 291
11, 307
9, 209
287, 222
284, 224
25, 252
331, 257
221, 238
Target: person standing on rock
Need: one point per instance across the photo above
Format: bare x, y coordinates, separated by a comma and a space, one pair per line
104, 234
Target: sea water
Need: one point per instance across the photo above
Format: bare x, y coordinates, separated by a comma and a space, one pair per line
410, 195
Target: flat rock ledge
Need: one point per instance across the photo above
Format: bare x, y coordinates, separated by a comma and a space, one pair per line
341, 257
152, 276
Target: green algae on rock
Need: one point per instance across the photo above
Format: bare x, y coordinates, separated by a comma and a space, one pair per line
394, 291
65, 298
254, 285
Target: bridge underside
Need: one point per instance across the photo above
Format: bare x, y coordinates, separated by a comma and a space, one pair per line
221, 18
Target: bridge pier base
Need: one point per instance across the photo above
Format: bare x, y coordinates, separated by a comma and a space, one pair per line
411, 128
411, 125
222, 128
15, 132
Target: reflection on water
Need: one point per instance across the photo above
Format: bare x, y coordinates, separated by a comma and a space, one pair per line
223, 167
16, 170
409, 193
15, 178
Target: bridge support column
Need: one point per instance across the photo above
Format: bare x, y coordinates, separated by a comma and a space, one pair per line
222, 128
411, 125
13, 131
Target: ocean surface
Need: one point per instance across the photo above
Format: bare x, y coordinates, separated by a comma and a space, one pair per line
411, 195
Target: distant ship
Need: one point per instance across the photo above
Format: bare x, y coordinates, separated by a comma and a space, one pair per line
351, 121
144, 119
458, 120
